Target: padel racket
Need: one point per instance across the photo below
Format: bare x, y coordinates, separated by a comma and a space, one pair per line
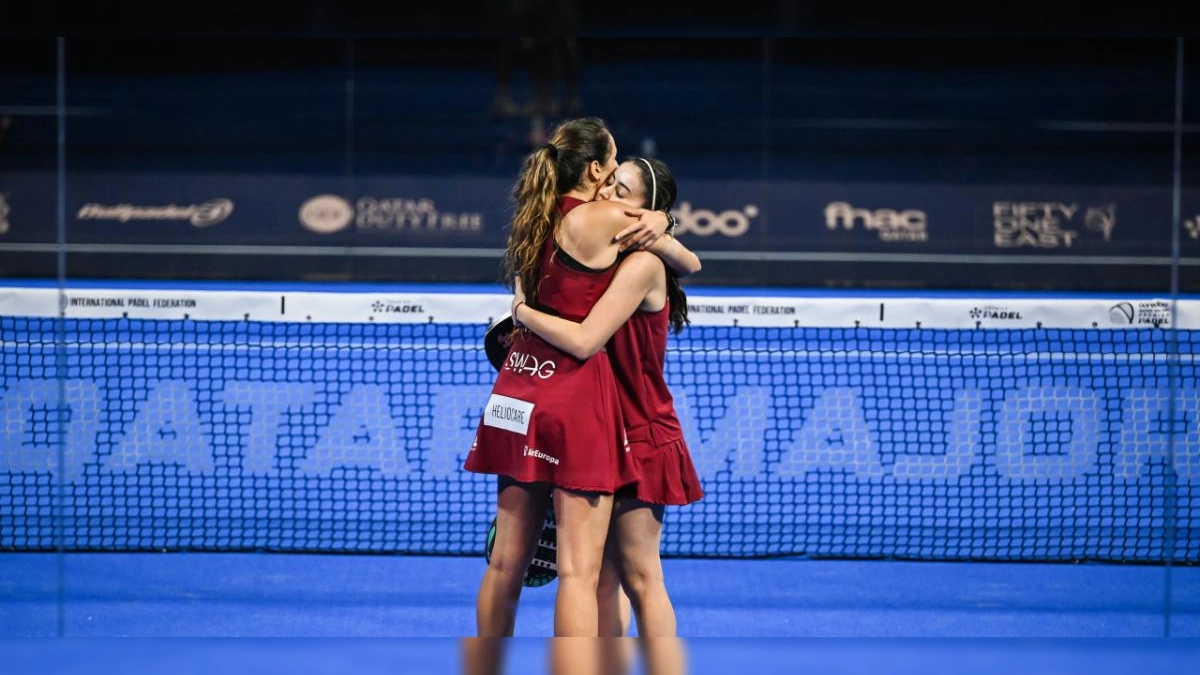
544, 567
498, 339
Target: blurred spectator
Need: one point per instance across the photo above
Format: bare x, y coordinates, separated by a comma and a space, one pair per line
552, 63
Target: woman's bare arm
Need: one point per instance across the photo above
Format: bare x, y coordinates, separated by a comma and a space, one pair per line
633, 280
678, 257
643, 235
589, 231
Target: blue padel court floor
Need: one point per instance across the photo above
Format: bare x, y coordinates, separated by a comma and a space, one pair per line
258, 613
292, 595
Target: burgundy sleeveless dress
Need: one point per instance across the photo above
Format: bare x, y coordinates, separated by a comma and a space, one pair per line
638, 350
553, 418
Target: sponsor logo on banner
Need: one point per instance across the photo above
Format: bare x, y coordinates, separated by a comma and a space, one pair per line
705, 223
204, 214
1192, 225
891, 225
1149, 313
998, 313
326, 214
1049, 224
395, 214
3, 214
396, 307
1102, 219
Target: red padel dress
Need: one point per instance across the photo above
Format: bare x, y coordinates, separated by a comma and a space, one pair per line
638, 351
551, 417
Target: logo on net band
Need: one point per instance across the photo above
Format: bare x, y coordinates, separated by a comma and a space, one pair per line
1121, 314
892, 225
396, 307
705, 223
1150, 313
204, 214
995, 313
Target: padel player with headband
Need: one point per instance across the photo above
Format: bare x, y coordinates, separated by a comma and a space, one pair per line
552, 427
631, 321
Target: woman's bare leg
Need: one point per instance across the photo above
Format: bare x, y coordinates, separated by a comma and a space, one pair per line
483, 656
617, 649
520, 513
582, 529
610, 599
637, 531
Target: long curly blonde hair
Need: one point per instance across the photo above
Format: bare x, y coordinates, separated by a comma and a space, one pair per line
548, 173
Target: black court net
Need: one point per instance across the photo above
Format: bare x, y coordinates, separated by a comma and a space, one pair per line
948, 429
